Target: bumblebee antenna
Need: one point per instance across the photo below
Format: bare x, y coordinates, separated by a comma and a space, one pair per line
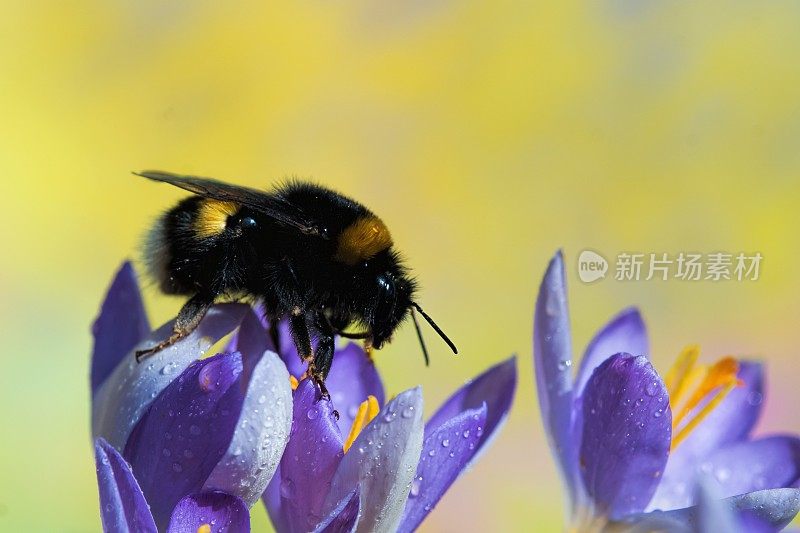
419, 336
436, 328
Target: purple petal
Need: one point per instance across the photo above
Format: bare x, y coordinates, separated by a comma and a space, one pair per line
712, 513
446, 451
222, 512
121, 324
774, 507
495, 388
288, 351
730, 422
310, 461
627, 430
768, 463
122, 504
625, 333
344, 517
265, 420
382, 463
274, 503
552, 358
123, 398
353, 377
186, 431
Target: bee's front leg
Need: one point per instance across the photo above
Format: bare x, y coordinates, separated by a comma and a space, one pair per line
189, 317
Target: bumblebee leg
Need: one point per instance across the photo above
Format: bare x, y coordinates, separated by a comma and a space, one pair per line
323, 358
188, 319
275, 334
302, 339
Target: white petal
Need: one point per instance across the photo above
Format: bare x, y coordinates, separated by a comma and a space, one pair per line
261, 433
383, 461
127, 393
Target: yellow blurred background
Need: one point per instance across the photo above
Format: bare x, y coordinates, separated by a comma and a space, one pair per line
485, 133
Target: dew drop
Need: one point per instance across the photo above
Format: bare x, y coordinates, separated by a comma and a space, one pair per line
415, 486
194, 430
431, 453
465, 434
658, 413
287, 488
446, 443
165, 452
312, 413
565, 364
177, 467
408, 412
262, 399
755, 398
188, 453
651, 388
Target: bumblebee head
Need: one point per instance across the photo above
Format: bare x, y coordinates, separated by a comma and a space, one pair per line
390, 306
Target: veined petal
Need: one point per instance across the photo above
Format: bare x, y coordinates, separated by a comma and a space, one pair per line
220, 512
495, 388
773, 507
627, 429
121, 325
729, 423
308, 464
382, 463
122, 505
625, 333
260, 434
122, 399
552, 358
446, 451
344, 517
353, 377
186, 431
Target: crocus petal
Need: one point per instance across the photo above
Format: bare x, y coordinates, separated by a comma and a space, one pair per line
353, 377
382, 463
309, 462
122, 504
344, 517
773, 507
627, 428
275, 504
495, 387
446, 451
768, 463
552, 358
121, 325
730, 422
122, 399
186, 431
219, 511
713, 514
625, 333
260, 434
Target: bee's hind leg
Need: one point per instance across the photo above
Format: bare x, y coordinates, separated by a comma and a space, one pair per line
189, 317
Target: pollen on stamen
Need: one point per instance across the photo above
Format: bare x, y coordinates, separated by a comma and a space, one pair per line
205, 528
293, 382
366, 412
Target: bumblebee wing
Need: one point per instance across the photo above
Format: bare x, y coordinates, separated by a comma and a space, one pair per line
279, 210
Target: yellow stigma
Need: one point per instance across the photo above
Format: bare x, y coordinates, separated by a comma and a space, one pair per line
293, 382
366, 412
205, 528
709, 385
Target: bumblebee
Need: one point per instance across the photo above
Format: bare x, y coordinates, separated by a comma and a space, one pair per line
319, 259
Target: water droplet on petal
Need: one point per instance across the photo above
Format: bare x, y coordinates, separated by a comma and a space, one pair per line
262, 399
177, 467
755, 398
165, 452
446, 443
408, 412
564, 365
194, 430
651, 388
287, 488
312, 413
415, 485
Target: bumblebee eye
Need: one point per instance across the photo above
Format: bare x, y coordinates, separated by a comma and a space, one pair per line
248, 222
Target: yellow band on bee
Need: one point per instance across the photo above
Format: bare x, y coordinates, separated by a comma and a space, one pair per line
212, 216
362, 239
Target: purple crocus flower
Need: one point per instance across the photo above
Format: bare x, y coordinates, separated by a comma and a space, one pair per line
124, 507
630, 446
187, 427
334, 476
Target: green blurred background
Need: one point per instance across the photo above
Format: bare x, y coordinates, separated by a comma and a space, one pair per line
486, 134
